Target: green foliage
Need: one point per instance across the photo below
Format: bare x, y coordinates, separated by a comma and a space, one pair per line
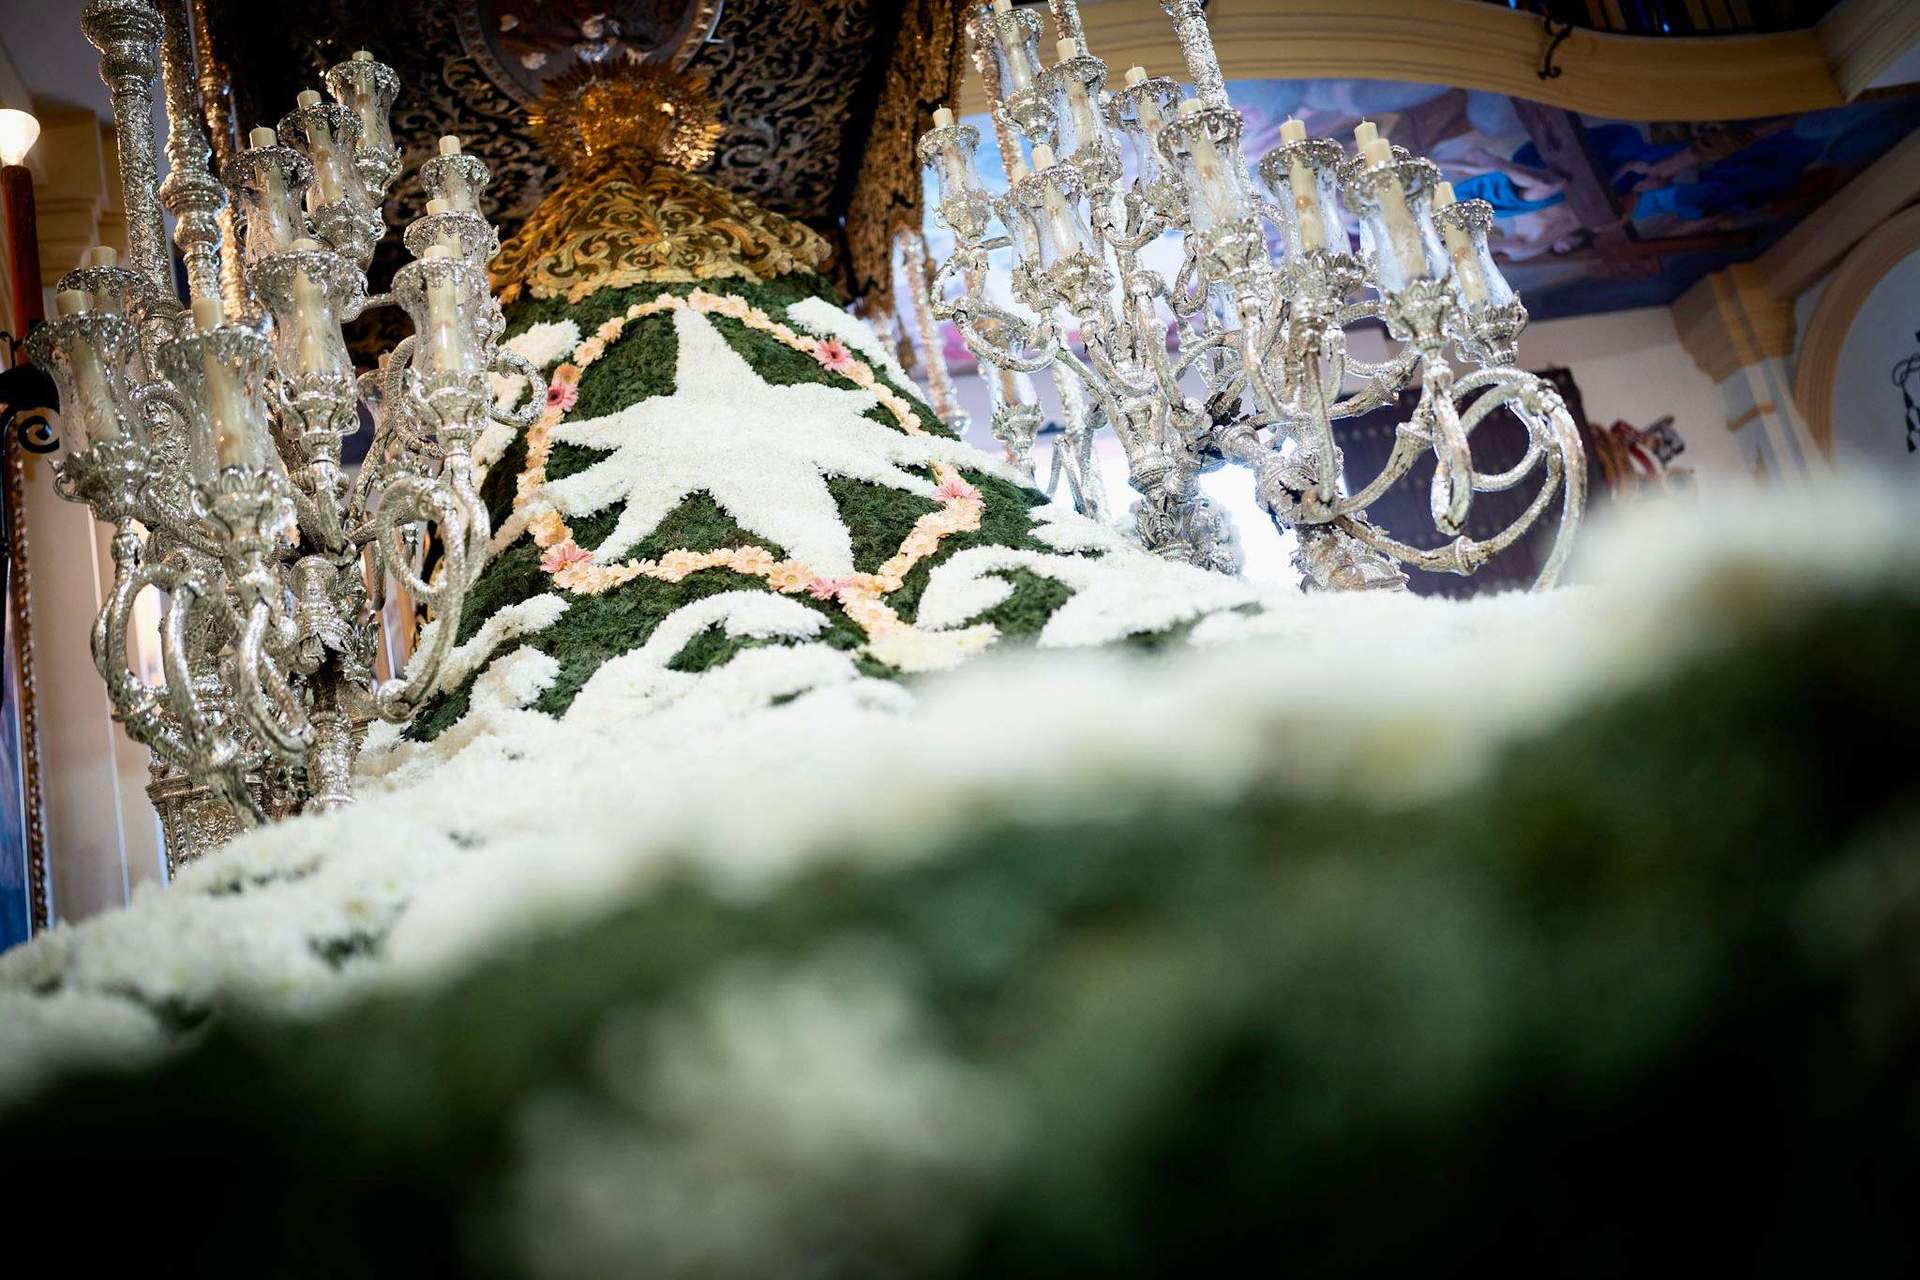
1644, 990
641, 364
1005, 522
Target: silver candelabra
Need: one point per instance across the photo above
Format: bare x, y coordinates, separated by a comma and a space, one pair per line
1259, 373
211, 441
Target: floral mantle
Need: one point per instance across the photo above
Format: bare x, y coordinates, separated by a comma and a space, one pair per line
861, 596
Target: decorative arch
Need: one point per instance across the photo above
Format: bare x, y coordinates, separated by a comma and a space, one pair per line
1847, 291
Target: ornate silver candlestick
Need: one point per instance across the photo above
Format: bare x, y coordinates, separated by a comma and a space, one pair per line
1260, 373
212, 445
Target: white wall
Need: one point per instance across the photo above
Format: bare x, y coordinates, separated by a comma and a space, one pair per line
1630, 366
1868, 414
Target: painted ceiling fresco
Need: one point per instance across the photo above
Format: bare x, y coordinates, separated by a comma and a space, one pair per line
1594, 215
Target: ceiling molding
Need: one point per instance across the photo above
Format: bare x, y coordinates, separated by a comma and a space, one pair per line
1861, 39
1729, 320
1473, 45
1833, 316
1825, 236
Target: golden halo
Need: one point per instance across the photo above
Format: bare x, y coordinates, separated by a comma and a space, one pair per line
627, 105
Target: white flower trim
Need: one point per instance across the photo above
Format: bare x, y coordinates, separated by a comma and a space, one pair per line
514, 622
1115, 595
662, 449
491, 446
541, 345
545, 344
821, 317
537, 823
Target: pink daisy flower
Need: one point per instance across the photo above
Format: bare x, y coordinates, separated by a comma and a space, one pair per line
833, 354
561, 395
956, 489
562, 554
827, 588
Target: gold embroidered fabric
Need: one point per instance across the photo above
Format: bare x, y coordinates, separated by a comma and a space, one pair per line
923, 73
627, 212
624, 219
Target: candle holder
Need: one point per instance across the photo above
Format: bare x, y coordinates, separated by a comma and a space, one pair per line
214, 451
947, 152
1304, 181
1490, 318
339, 206
368, 88
1076, 85
1015, 50
89, 354
1259, 374
270, 180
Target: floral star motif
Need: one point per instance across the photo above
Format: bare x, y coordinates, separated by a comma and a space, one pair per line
762, 452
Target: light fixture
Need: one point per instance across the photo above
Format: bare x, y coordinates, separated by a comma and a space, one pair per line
1268, 286
214, 450
18, 132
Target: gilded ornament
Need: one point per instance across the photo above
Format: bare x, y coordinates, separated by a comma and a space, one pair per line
627, 211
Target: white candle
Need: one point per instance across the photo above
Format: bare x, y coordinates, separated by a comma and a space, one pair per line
103, 256
446, 338
1210, 170
943, 118
328, 184
226, 405
1059, 214
1466, 267
1306, 193
1364, 135
1086, 119
1152, 119
436, 206
1403, 235
312, 315
366, 107
459, 195
1017, 74
276, 227
93, 418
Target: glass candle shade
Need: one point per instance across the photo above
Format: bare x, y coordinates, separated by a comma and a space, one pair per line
1477, 279
1081, 127
270, 182
110, 288
326, 133
446, 298
947, 152
1203, 147
1051, 198
1141, 110
368, 88
1016, 49
1018, 219
1394, 201
455, 176
468, 235
88, 353
1304, 179
310, 291
221, 373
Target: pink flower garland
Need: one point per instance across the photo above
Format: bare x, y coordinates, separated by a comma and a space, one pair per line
573, 569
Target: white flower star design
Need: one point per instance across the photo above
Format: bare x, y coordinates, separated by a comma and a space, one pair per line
762, 452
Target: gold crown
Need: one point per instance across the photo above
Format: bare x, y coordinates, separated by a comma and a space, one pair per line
624, 104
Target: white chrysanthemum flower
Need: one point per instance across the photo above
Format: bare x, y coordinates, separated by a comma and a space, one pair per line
784, 1113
